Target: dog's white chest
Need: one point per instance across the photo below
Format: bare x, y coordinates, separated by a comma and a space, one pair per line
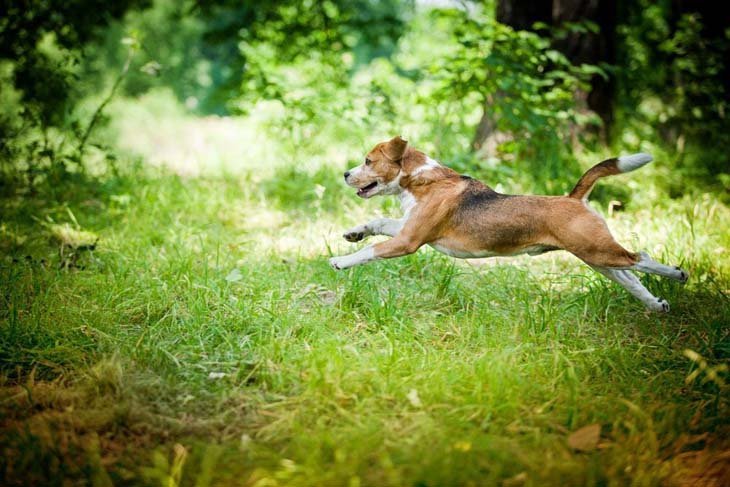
407, 202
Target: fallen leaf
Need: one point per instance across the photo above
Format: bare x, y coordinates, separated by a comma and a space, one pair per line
586, 438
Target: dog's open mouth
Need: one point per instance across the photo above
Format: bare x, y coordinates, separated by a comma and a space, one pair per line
363, 192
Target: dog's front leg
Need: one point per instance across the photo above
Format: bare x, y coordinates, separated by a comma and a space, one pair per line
379, 226
362, 256
395, 247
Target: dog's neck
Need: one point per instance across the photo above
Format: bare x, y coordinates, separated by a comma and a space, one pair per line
417, 169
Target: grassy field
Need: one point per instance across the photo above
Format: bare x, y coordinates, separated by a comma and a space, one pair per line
205, 341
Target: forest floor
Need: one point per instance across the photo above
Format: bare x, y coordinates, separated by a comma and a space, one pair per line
204, 340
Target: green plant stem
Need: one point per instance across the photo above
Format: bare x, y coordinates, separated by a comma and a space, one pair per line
105, 102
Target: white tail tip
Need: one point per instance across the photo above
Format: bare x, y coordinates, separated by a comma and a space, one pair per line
632, 162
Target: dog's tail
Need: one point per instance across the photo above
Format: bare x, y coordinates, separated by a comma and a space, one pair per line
615, 165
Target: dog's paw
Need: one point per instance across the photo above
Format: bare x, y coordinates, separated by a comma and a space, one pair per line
683, 275
354, 234
660, 306
336, 263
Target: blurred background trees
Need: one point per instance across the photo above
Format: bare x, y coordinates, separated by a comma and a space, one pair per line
41, 52
506, 86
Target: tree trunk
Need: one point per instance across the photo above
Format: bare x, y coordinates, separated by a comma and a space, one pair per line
485, 128
522, 14
589, 47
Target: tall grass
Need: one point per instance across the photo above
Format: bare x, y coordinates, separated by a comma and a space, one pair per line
205, 341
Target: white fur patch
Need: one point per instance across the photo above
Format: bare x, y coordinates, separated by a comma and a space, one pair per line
461, 254
362, 256
632, 284
379, 226
649, 265
355, 171
426, 166
407, 202
465, 254
385, 226
633, 162
393, 187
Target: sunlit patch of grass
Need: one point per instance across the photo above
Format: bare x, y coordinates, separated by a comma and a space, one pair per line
158, 129
209, 342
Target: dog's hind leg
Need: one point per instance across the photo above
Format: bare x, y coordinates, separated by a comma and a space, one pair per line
634, 286
650, 266
587, 237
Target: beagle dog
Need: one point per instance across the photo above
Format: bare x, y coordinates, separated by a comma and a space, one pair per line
464, 218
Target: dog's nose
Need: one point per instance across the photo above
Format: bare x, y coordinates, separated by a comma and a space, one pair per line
347, 174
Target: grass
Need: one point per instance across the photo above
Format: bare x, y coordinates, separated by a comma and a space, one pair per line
204, 340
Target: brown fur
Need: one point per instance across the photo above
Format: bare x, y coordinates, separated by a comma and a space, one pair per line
585, 184
465, 215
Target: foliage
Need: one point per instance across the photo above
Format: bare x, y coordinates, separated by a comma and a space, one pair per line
674, 86
41, 48
222, 57
528, 86
310, 58
525, 87
42, 41
338, 35
174, 55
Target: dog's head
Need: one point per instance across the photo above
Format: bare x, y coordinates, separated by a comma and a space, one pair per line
381, 171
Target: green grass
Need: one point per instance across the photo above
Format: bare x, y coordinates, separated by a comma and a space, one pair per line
206, 341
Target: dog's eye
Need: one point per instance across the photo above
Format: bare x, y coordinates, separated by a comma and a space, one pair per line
367, 161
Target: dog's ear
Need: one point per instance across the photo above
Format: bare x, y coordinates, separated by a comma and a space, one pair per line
395, 148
